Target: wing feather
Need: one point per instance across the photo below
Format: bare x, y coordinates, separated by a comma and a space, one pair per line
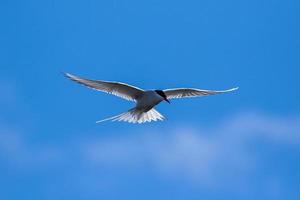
125, 91
192, 92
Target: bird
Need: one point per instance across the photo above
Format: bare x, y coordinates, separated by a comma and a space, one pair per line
146, 100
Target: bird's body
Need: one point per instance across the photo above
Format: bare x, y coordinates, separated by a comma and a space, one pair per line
145, 100
148, 100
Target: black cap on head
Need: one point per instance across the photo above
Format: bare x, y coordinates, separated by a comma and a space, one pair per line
162, 94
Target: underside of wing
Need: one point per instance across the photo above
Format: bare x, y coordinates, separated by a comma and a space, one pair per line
192, 92
122, 90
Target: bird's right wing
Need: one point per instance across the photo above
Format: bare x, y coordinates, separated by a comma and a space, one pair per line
191, 92
122, 90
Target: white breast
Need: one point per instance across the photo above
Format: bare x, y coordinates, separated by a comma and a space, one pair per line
148, 100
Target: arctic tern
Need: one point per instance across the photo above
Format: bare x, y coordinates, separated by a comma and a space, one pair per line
145, 100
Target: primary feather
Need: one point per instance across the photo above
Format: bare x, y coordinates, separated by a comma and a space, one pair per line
192, 92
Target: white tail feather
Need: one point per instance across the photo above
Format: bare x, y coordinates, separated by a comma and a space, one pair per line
136, 116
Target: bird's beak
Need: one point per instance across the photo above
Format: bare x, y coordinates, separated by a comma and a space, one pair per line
167, 100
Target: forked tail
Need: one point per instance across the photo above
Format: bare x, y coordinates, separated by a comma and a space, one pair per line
136, 116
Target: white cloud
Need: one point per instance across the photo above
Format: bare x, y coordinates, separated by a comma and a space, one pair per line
209, 156
17, 152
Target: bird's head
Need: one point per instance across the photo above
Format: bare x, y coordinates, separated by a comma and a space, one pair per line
162, 94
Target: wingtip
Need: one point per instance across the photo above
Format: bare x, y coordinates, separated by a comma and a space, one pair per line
66, 74
69, 76
232, 89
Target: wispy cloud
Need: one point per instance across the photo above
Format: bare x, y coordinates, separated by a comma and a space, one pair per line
18, 153
207, 156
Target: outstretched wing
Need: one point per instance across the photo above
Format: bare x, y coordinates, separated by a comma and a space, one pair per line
122, 90
192, 92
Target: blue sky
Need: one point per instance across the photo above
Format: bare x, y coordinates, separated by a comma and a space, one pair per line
242, 145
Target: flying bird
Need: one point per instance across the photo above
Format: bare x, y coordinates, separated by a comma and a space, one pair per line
145, 100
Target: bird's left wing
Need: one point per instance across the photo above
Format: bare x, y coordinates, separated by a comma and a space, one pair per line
192, 92
122, 90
